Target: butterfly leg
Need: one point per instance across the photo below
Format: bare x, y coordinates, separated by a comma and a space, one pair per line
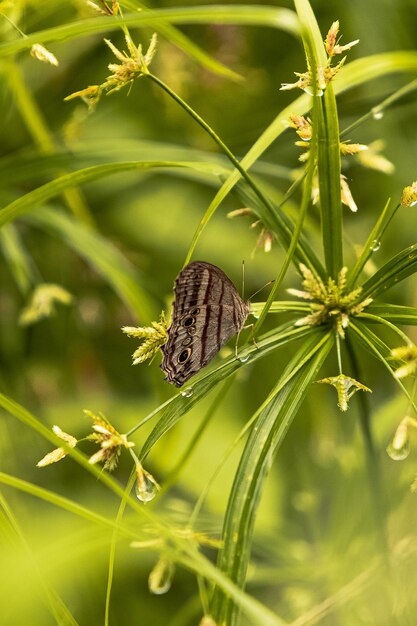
252, 326
237, 343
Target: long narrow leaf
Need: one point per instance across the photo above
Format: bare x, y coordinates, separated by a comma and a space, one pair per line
180, 404
218, 14
374, 239
328, 142
395, 313
38, 196
380, 350
401, 266
264, 440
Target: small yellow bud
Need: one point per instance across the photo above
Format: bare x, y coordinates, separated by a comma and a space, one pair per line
111, 442
239, 213
154, 337
330, 40
43, 302
59, 453
346, 194
41, 53
409, 195
345, 387
408, 354
352, 148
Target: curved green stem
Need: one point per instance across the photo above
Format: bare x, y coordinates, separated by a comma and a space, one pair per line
393, 327
265, 201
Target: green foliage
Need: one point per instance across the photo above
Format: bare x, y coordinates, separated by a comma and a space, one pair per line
248, 492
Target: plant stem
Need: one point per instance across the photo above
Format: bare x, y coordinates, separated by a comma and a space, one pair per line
265, 201
112, 553
305, 202
377, 494
379, 108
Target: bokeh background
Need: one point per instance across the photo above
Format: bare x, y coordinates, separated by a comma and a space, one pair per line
315, 528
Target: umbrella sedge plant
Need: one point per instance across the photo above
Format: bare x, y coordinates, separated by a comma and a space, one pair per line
336, 313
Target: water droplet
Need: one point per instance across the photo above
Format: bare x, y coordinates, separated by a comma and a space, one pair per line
146, 486
310, 92
244, 358
187, 392
399, 454
207, 621
161, 576
413, 203
375, 245
377, 115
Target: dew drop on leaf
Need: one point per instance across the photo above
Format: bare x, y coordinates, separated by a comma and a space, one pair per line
375, 245
146, 487
398, 454
160, 578
187, 392
308, 90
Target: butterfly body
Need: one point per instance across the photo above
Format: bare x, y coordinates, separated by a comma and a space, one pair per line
207, 312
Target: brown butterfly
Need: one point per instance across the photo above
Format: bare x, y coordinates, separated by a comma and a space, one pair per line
207, 312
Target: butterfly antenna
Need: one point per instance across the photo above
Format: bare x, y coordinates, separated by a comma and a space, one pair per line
243, 279
263, 287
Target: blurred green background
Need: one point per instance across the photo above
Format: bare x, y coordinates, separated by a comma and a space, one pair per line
315, 530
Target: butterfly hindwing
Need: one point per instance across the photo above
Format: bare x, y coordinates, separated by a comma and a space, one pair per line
207, 312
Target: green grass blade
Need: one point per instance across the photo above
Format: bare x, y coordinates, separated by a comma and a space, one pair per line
281, 306
398, 268
329, 182
395, 313
65, 504
375, 66
277, 222
380, 108
39, 196
180, 404
328, 144
218, 14
112, 551
372, 242
376, 319
295, 242
103, 256
380, 350
29, 165
17, 258
265, 438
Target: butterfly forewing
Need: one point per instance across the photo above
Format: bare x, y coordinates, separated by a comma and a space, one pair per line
207, 312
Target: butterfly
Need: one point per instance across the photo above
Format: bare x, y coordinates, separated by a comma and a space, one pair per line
207, 312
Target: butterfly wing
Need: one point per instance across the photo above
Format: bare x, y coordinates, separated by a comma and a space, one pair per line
207, 312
